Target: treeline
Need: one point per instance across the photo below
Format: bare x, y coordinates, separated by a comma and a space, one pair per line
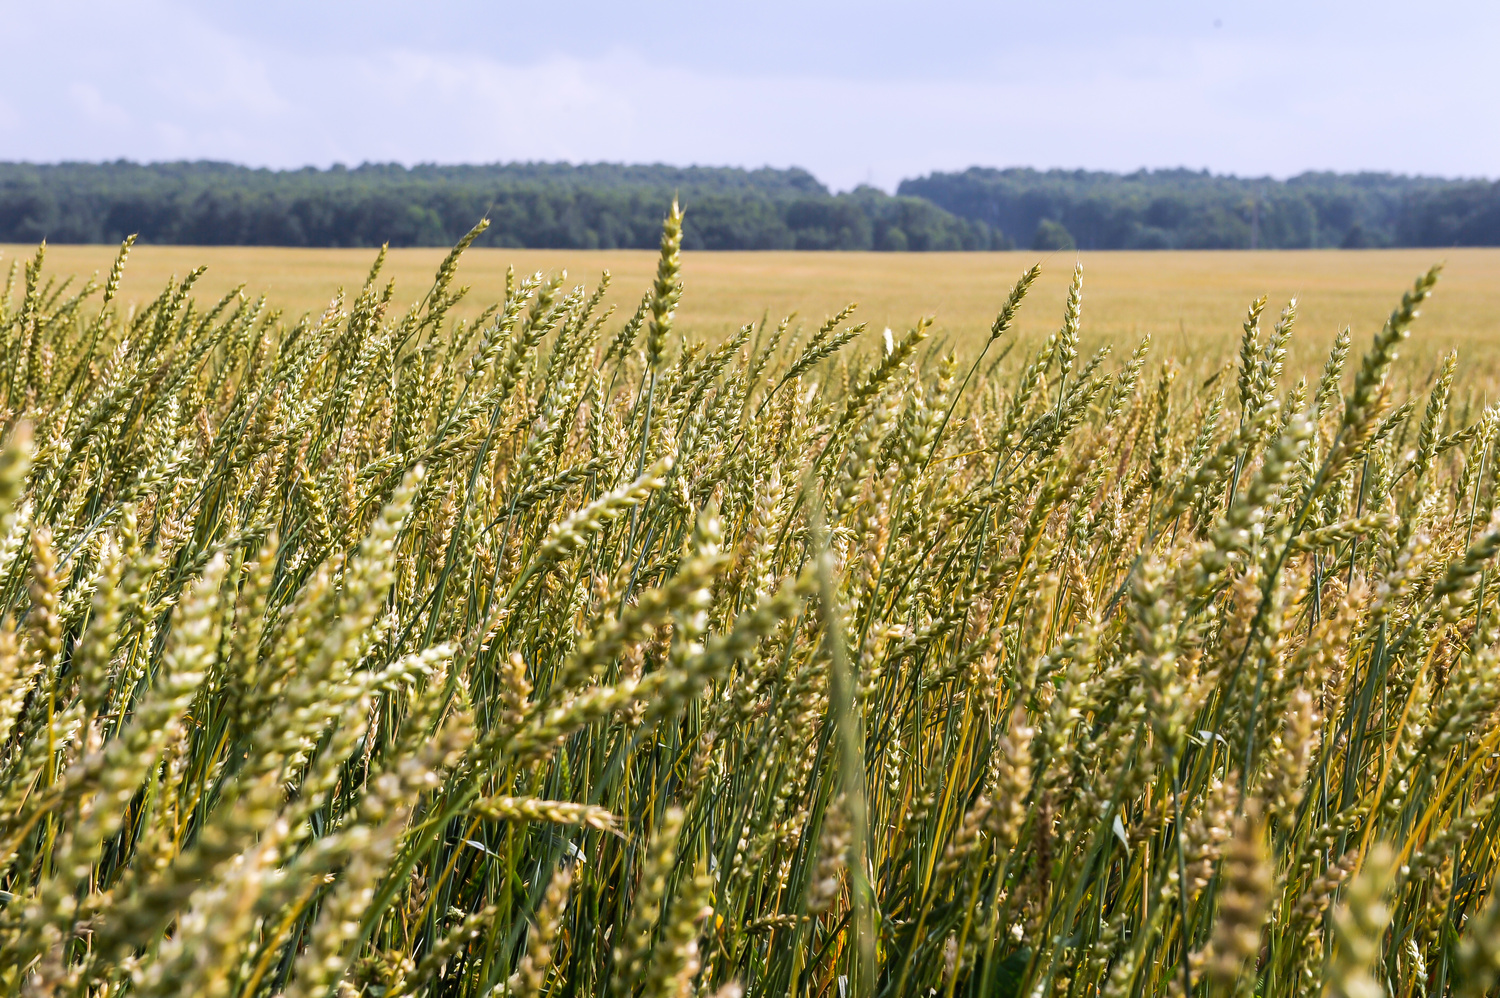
607, 206
1183, 209
545, 205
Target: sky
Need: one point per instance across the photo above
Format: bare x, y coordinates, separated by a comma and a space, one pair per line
857, 92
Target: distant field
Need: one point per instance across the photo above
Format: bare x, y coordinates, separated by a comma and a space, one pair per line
1191, 301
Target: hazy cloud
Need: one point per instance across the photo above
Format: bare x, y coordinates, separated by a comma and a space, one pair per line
855, 92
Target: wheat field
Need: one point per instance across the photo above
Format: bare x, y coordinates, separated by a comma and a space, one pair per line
440, 644
1187, 300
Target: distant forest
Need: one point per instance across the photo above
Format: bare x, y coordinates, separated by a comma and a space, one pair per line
533, 205
1183, 209
609, 206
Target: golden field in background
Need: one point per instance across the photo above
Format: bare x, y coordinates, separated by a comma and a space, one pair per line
1191, 302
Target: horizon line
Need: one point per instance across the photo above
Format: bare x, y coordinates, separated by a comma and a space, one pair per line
410, 166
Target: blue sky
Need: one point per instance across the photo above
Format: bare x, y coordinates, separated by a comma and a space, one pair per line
856, 92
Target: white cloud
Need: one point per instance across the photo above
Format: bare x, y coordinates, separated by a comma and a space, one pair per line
94, 108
